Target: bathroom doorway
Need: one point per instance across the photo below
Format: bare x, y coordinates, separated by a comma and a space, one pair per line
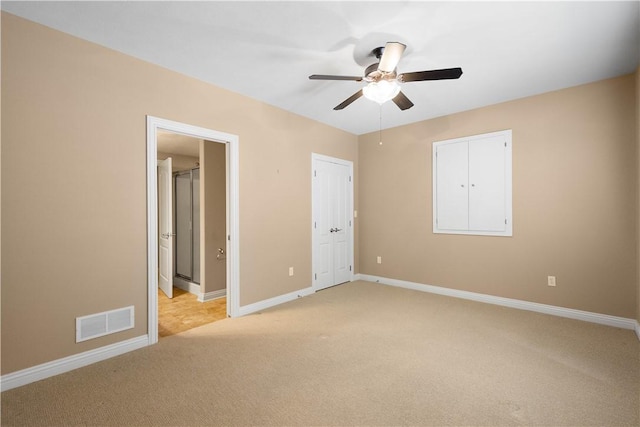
203, 222
197, 292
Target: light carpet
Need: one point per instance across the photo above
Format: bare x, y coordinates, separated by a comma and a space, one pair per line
357, 354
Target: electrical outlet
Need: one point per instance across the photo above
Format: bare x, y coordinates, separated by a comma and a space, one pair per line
379, 260
290, 271
551, 280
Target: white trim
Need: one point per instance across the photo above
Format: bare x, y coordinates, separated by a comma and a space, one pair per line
210, 296
152, 231
233, 228
587, 316
271, 302
638, 330
233, 217
66, 364
194, 288
186, 285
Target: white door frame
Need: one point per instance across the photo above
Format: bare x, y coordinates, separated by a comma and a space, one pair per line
350, 234
233, 218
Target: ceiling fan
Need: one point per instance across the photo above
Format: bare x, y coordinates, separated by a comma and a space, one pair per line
383, 80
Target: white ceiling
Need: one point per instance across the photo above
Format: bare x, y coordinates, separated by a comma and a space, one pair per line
266, 50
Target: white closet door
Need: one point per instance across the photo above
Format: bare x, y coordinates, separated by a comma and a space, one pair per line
332, 222
452, 177
472, 185
487, 189
323, 237
341, 222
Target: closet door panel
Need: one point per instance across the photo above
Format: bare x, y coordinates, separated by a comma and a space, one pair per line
452, 176
487, 184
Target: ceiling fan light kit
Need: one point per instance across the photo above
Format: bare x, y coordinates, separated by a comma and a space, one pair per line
381, 91
383, 82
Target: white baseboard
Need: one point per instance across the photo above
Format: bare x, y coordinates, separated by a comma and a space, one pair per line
271, 302
194, 288
210, 296
587, 316
56, 367
185, 285
60, 366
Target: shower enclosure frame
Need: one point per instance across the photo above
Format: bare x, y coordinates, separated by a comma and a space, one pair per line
194, 227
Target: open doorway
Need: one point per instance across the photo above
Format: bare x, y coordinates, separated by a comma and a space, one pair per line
192, 232
174, 145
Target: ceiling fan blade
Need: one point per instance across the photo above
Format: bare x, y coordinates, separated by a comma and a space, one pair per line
327, 77
391, 56
447, 73
349, 100
402, 101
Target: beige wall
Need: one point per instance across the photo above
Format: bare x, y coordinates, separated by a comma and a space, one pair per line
74, 227
638, 188
74, 116
213, 209
574, 202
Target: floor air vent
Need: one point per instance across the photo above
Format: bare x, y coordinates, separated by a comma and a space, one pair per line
100, 324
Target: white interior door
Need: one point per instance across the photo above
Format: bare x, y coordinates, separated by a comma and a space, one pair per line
341, 213
332, 221
322, 237
165, 228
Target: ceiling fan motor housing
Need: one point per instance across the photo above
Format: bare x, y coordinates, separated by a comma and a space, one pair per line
372, 74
